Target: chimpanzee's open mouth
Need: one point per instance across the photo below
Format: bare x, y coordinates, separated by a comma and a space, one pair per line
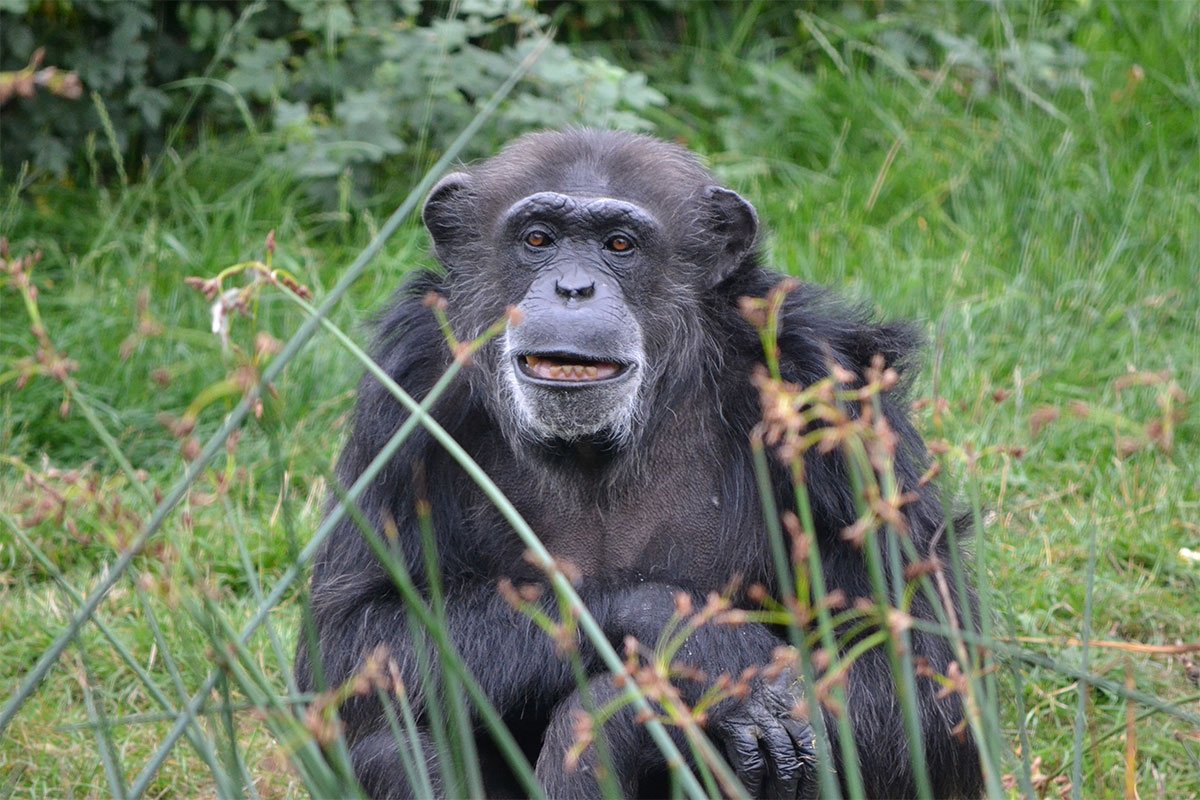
568, 368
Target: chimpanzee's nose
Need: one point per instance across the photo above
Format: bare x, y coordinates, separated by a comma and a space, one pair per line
575, 287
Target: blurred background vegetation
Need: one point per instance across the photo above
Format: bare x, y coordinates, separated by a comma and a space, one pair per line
1022, 178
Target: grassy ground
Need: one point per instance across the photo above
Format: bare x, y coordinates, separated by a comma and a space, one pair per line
1048, 238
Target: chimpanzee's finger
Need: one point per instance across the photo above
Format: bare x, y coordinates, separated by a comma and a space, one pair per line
801, 734
783, 762
743, 753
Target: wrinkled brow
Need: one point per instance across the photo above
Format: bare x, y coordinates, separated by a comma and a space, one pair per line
559, 208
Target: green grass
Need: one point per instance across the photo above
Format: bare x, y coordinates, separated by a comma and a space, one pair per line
1047, 252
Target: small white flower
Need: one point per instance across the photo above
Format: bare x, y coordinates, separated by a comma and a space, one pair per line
220, 315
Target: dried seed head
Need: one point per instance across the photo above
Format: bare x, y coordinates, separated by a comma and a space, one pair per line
1141, 379
938, 447
297, 288
1128, 445
835, 600
209, 287
733, 617
266, 345
190, 449
842, 375
509, 592
1041, 417
898, 621
683, 605
754, 311
919, 568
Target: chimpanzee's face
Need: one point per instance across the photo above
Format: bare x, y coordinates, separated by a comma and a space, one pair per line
606, 253
576, 359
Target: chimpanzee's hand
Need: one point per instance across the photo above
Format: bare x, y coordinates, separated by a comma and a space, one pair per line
771, 751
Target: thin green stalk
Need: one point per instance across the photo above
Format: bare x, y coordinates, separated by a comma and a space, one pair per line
902, 672
1085, 636
203, 749
459, 719
979, 705
980, 708
410, 723
408, 743
1037, 659
859, 467
103, 732
825, 773
990, 692
117, 570
233, 751
609, 788
1025, 775
450, 760
428, 624
908, 671
851, 770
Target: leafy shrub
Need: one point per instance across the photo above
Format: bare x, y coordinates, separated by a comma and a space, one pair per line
347, 85
372, 85
124, 52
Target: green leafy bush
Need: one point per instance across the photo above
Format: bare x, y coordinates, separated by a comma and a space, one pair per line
124, 52
348, 86
373, 85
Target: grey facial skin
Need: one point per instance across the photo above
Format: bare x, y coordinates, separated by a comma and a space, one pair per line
574, 364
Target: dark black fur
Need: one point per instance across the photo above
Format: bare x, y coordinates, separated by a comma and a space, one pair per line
673, 507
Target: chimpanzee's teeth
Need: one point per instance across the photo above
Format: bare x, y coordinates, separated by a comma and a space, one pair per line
555, 370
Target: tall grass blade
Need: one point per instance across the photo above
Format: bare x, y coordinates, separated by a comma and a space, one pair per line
1081, 708
235, 418
103, 732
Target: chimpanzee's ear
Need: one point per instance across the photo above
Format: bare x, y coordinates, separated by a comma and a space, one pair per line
734, 225
445, 214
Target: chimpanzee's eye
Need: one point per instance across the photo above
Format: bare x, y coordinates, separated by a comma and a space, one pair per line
537, 238
619, 243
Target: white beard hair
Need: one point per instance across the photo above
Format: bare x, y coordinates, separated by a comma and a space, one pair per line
540, 423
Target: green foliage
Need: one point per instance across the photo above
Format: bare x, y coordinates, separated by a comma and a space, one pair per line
119, 52
349, 86
374, 89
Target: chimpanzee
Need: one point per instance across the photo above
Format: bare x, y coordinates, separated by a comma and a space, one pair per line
615, 412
